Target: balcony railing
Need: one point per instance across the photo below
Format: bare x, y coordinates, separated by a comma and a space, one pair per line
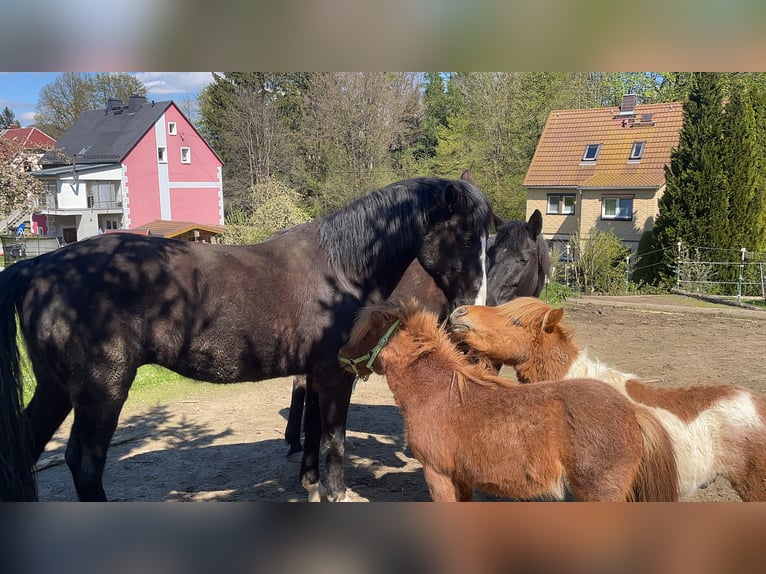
49, 203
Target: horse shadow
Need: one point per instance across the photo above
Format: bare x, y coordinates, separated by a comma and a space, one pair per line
157, 456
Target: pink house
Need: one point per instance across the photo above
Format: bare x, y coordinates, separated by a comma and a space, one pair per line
127, 165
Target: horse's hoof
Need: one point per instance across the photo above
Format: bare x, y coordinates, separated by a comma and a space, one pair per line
317, 492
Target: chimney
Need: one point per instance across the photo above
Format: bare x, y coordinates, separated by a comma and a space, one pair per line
114, 105
135, 103
628, 106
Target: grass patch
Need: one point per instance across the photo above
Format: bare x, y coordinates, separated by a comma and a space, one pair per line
153, 384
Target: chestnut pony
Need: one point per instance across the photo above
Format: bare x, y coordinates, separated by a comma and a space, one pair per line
716, 429
518, 263
472, 429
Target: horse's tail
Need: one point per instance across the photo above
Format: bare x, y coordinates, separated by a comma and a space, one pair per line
657, 479
17, 482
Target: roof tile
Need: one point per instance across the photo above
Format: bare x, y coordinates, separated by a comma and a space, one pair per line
558, 157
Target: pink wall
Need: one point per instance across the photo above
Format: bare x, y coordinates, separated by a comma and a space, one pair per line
143, 191
198, 203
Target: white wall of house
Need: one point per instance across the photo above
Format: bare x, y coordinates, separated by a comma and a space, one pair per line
73, 195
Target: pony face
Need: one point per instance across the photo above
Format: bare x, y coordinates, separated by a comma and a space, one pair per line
454, 248
518, 261
507, 333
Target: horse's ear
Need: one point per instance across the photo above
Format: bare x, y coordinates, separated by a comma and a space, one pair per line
551, 319
467, 176
452, 196
497, 221
535, 223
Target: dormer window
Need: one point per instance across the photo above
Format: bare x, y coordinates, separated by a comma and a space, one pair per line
637, 151
591, 152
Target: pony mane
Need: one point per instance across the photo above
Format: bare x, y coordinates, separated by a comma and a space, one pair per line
376, 228
429, 336
530, 310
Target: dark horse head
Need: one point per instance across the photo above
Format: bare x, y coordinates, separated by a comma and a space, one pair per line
519, 260
444, 224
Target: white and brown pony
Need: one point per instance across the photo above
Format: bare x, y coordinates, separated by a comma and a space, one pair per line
471, 429
716, 429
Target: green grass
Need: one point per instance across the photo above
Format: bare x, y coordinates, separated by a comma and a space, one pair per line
153, 384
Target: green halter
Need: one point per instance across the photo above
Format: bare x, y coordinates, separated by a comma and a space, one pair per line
370, 356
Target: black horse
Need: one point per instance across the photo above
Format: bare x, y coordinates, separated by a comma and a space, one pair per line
518, 264
92, 312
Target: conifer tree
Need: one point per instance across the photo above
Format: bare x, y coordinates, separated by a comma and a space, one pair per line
694, 207
740, 155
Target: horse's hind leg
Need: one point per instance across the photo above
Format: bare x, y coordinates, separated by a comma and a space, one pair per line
46, 411
92, 430
312, 426
295, 416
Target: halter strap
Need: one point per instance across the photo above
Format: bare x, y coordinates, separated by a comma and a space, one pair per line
369, 356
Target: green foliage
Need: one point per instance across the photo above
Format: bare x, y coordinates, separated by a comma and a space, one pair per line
71, 94
7, 118
694, 207
599, 262
274, 205
555, 293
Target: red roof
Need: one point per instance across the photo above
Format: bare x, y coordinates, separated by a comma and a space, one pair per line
558, 159
29, 138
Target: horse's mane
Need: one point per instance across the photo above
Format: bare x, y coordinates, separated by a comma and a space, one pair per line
375, 228
429, 336
524, 311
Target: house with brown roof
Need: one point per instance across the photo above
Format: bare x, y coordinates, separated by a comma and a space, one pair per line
603, 169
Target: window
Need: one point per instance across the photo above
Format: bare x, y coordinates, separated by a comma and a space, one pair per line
617, 208
591, 152
185, 155
638, 150
563, 204
172, 130
162, 155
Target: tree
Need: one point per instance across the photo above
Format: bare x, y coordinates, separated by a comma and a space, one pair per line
744, 178
250, 119
116, 85
695, 205
72, 93
357, 128
7, 118
18, 189
274, 206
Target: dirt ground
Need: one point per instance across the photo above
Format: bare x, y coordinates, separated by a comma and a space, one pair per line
225, 443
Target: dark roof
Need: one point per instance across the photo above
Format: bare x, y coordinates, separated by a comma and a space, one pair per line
107, 135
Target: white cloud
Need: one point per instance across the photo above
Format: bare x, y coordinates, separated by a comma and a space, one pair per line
163, 83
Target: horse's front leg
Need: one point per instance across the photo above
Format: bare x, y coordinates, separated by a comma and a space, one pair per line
333, 395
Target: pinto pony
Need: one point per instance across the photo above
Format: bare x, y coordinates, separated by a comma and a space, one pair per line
93, 311
470, 428
716, 429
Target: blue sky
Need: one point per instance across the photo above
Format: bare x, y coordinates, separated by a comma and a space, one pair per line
20, 90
